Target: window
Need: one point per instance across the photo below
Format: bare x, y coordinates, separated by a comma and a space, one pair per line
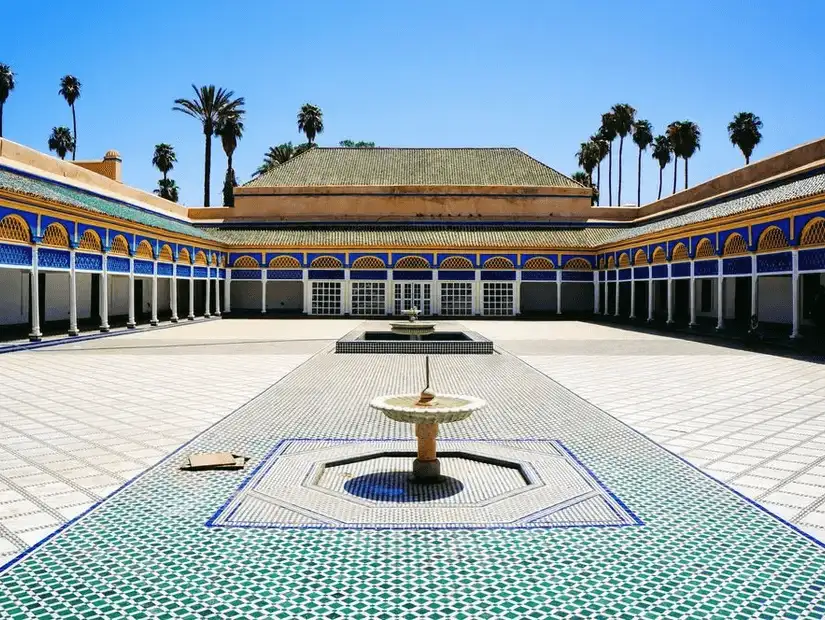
326, 298
457, 298
409, 294
368, 298
498, 298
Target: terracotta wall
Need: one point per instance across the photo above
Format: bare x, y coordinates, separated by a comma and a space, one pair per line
109, 168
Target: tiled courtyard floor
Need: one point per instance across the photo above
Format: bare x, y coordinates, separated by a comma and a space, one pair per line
77, 421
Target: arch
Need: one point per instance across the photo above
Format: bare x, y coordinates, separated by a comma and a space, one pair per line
184, 256
624, 260
326, 262
214, 261
246, 262
813, 233
412, 262
611, 262
498, 262
772, 238
15, 228
368, 262
735, 244
705, 249
90, 240
659, 256
578, 264
200, 258
680, 253
640, 258
56, 236
166, 253
456, 262
144, 250
284, 262
119, 246
601, 263
539, 263
223, 260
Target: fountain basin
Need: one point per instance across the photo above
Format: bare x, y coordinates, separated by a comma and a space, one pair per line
442, 409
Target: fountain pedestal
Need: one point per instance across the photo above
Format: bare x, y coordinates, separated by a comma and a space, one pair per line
426, 467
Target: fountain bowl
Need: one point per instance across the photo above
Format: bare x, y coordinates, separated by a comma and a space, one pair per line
442, 409
412, 328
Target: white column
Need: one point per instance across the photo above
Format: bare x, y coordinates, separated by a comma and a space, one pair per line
632, 294
154, 320
669, 293
73, 331
389, 297
692, 294
720, 297
616, 309
754, 287
606, 291
346, 291
206, 312
191, 316
227, 305
263, 291
478, 294
795, 292
558, 291
173, 294
516, 294
650, 284
130, 323
104, 295
307, 292
217, 291
595, 292
35, 335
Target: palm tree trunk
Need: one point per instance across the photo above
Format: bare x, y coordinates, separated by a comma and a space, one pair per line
675, 168
661, 170
610, 173
1, 120
621, 146
207, 167
686, 175
599, 181
639, 182
747, 157
74, 132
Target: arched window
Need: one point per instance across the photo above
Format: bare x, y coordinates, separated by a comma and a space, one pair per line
499, 262
144, 250
705, 249
326, 262
15, 228
284, 262
119, 246
166, 253
56, 236
200, 258
772, 238
680, 252
412, 262
246, 262
368, 262
813, 233
223, 260
640, 258
735, 244
538, 263
659, 256
611, 262
578, 264
601, 263
624, 260
184, 256
90, 240
214, 261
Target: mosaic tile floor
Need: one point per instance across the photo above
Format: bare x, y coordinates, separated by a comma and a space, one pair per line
703, 551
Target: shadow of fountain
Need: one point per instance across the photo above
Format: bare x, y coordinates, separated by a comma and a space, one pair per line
395, 486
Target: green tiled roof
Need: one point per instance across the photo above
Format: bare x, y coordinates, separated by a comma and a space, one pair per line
49, 190
480, 237
322, 166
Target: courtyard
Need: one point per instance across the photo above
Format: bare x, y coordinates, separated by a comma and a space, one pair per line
709, 462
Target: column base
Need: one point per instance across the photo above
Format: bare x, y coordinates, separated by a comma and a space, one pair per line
669, 322
174, 319
217, 314
720, 328
153, 323
795, 336
74, 332
632, 317
191, 317
104, 329
426, 472
650, 319
693, 325
131, 325
35, 337
206, 315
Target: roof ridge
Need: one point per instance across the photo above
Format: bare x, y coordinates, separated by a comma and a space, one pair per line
419, 148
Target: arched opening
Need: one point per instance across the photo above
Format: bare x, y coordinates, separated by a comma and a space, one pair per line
412, 262
705, 249
284, 262
680, 253
55, 236
814, 233
539, 263
368, 262
772, 239
455, 263
498, 262
326, 262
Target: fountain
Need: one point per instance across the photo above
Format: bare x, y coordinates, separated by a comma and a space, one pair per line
427, 410
412, 327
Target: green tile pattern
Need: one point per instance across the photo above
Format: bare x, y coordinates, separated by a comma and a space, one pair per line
703, 552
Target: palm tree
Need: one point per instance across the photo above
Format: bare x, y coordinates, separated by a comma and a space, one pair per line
743, 131
168, 189
70, 90
588, 158
277, 155
210, 105
672, 134
6, 86
608, 132
310, 121
164, 158
685, 139
624, 114
661, 153
229, 130
582, 178
642, 137
603, 148
352, 144
61, 141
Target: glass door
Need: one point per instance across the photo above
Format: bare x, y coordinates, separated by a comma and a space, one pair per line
409, 294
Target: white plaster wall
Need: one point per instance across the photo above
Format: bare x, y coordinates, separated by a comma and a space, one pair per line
245, 294
118, 295
284, 295
14, 300
84, 295
57, 297
774, 299
577, 297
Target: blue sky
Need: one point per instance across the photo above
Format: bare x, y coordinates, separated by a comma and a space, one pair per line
531, 74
